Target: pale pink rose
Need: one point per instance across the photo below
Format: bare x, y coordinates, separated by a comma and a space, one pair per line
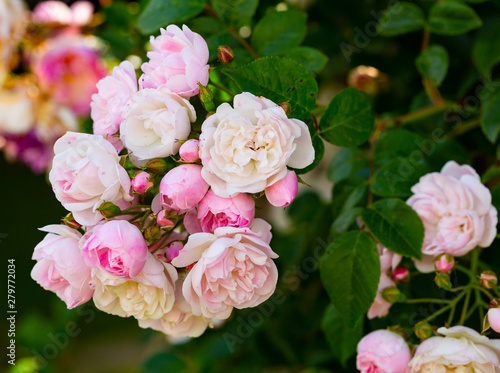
179, 60
456, 211
233, 268
116, 247
460, 350
389, 261
284, 191
180, 321
149, 295
246, 149
189, 151
60, 267
85, 173
380, 306
78, 14
68, 69
214, 212
494, 319
155, 121
383, 351
183, 187
110, 103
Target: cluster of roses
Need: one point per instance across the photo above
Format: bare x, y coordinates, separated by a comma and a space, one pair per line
176, 245
56, 69
458, 216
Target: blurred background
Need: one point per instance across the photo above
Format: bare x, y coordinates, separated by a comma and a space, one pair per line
284, 334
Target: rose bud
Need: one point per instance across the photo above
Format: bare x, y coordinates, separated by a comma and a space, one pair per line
401, 275
165, 222
152, 234
189, 151
109, 210
225, 54
444, 263
423, 330
494, 319
488, 279
157, 166
284, 191
70, 221
393, 295
142, 182
183, 187
443, 281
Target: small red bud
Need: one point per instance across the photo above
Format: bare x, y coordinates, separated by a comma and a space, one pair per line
70, 221
444, 263
488, 279
142, 182
225, 54
401, 275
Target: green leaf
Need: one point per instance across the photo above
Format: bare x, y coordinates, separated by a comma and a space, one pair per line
280, 80
346, 163
490, 119
493, 172
396, 177
160, 13
348, 194
444, 151
401, 18
348, 120
350, 272
398, 143
312, 59
165, 362
342, 223
396, 226
278, 32
236, 13
433, 64
452, 18
341, 338
486, 49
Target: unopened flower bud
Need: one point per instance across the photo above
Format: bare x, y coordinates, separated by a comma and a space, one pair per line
488, 279
286, 107
189, 151
165, 222
225, 54
423, 330
494, 303
393, 295
444, 263
70, 221
152, 233
142, 182
157, 166
401, 275
284, 191
109, 210
443, 281
206, 98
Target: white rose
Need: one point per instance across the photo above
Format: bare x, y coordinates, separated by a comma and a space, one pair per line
85, 173
150, 295
157, 118
460, 350
18, 111
247, 148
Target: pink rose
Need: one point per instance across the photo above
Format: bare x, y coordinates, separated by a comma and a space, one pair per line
116, 247
382, 351
284, 191
149, 295
110, 103
215, 212
456, 211
189, 151
183, 187
179, 60
68, 69
460, 350
388, 260
246, 149
233, 268
155, 121
78, 14
494, 319
85, 173
380, 306
60, 267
